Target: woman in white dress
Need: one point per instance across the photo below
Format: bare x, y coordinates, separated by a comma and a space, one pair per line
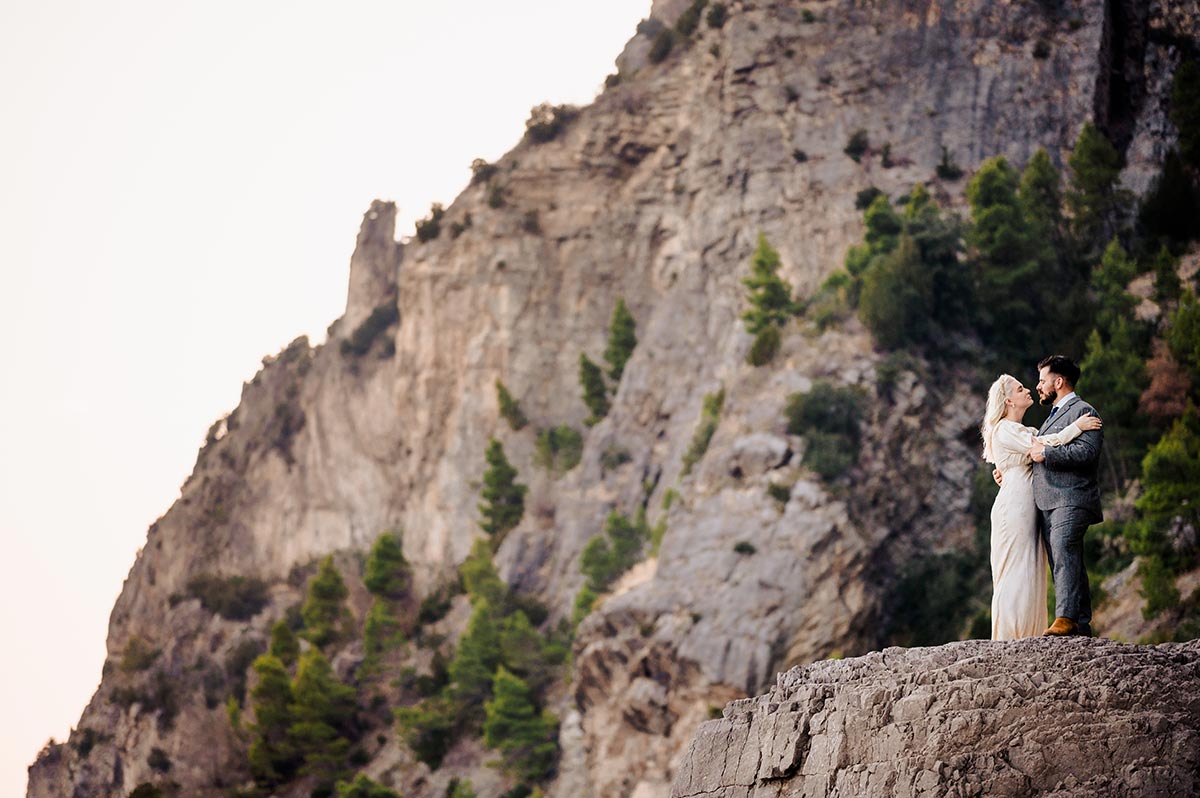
1018, 556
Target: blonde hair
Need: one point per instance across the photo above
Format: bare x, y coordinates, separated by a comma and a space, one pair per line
994, 412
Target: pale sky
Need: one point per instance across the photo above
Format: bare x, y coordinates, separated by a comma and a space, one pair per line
180, 189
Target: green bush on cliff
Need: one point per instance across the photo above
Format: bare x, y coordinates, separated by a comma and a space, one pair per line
689, 20
857, 145
235, 598
146, 790
138, 655
363, 787
717, 15
430, 227
428, 728
765, 347
558, 449
947, 169
710, 416
607, 556
510, 409
595, 392
546, 121
661, 47
159, 761
482, 171
829, 417
359, 343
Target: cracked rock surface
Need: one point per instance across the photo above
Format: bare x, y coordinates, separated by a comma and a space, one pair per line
1056, 717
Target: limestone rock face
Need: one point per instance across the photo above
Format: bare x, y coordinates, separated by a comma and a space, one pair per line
1073, 717
656, 194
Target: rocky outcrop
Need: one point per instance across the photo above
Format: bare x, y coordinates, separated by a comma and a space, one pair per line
1073, 717
374, 266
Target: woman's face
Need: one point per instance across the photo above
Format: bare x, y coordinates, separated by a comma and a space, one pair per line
1019, 397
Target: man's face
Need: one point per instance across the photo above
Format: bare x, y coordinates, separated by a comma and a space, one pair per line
1048, 385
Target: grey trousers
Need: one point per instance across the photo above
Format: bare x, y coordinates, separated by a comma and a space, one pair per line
1062, 531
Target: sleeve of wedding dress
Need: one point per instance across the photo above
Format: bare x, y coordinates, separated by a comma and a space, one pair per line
1013, 439
1065, 436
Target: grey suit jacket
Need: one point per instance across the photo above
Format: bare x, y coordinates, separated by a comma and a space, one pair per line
1068, 476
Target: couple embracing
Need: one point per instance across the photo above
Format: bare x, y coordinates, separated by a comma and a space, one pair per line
1048, 497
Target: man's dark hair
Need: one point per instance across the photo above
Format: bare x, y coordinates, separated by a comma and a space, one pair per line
1063, 366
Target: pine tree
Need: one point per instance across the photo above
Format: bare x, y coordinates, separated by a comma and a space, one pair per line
765, 347
510, 410
284, 644
621, 340
503, 497
324, 610
526, 739
1168, 288
1003, 261
428, 728
1092, 197
480, 578
1169, 505
1060, 296
475, 662
595, 392
897, 297
1114, 377
273, 758
883, 226
381, 631
1040, 196
770, 296
1109, 281
627, 539
939, 240
1170, 497
387, 572
597, 564
522, 651
1183, 336
323, 710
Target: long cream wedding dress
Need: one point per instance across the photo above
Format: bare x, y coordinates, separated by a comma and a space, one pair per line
1018, 557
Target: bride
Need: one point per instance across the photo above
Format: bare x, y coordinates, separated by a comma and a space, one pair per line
1018, 555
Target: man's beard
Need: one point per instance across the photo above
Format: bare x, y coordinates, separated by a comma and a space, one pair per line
1046, 400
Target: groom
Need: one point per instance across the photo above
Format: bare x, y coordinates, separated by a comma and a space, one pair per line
1066, 494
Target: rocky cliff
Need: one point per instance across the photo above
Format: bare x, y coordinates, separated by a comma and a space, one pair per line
655, 193
1038, 717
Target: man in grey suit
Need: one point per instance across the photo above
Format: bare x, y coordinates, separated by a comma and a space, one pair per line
1066, 493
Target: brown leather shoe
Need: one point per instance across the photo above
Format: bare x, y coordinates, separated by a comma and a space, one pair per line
1061, 627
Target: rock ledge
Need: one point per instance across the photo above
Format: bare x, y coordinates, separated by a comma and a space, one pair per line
1060, 718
